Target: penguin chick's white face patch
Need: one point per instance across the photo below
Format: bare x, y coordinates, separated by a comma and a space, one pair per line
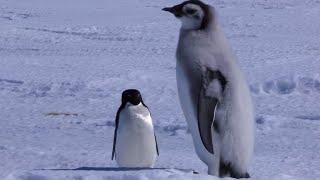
192, 17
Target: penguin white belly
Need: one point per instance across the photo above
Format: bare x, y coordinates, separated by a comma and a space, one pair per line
136, 145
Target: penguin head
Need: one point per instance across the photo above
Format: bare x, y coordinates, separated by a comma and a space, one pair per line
193, 14
132, 96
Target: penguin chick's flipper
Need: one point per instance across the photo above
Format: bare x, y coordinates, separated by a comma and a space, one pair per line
213, 85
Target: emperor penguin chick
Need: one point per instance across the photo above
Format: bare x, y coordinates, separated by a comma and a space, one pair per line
213, 92
134, 144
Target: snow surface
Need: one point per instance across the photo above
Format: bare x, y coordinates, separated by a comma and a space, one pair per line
64, 64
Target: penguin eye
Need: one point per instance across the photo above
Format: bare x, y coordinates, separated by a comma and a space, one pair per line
190, 11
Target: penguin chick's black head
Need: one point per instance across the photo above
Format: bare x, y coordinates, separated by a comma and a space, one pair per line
194, 14
131, 95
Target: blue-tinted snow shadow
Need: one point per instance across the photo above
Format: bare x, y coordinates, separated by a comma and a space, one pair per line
103, 169
309, 117
117, 169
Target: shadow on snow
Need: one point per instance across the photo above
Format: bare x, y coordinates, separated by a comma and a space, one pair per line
116, 169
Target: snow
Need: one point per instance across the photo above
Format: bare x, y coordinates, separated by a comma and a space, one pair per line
64, 64
161, 174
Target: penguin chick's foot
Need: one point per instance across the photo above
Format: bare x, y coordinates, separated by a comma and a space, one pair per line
225, 169
238, 175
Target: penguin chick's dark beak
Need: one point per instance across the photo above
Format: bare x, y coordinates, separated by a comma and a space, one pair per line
174, 10
169, 9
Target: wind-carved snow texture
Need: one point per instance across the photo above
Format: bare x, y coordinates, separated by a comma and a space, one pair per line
11, 15
279, 86
64, 64
287, 85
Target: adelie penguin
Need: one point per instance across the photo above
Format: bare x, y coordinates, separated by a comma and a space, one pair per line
213, 93
135, 144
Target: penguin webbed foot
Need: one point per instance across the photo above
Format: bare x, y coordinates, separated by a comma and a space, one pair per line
239, 176
247, 175
226, 169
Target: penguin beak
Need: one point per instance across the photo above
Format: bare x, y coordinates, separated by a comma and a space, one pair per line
175, 10
169, 9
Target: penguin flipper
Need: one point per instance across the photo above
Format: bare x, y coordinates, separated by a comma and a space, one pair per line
213, 84
115, 132
155, 138
114, 140
206, 113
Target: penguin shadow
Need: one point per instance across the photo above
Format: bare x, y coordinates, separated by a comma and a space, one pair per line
119, 169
